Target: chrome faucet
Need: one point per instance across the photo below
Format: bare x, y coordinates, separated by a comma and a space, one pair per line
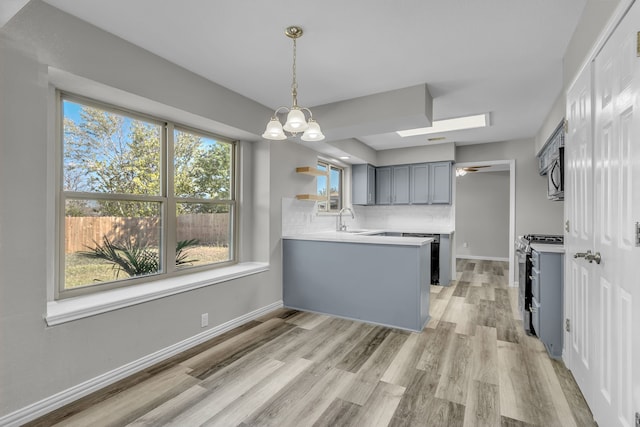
340, 226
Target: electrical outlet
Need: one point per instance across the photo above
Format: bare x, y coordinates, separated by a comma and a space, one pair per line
465, 244
204, 320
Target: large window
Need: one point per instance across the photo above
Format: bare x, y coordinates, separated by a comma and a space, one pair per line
140, 198
330, 187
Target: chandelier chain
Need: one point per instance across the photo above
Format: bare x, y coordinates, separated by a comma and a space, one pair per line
294, 83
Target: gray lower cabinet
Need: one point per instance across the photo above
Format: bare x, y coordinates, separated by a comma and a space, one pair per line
383, 284
363, 185
547, 288
445, 259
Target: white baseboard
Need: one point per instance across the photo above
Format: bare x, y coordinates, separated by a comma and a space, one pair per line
485, 258
51, 403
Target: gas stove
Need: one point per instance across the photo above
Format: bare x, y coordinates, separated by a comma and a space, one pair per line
544, 238
523, 243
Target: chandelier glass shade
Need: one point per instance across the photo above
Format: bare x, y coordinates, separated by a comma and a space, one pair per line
296, 116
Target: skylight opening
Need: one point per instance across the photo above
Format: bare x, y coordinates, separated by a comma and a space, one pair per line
448, 125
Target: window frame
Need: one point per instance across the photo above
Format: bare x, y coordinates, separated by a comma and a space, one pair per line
341, 202
167, 199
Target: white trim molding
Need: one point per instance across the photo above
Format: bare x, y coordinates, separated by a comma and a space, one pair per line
70, 309
58, 400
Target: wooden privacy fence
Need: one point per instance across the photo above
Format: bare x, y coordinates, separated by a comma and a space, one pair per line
81, 232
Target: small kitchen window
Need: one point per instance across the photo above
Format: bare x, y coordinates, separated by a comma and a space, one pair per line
330, 187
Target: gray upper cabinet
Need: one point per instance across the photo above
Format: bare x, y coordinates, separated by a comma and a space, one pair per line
440, 183
400, 185
431, 183
419, 188
383, 186
417, 184
363, 185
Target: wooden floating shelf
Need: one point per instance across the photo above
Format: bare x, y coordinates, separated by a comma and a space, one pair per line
310, 197
310, 170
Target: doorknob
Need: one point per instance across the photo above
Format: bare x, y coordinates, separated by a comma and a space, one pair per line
586, 255
593, 257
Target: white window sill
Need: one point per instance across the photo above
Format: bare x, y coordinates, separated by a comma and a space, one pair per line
71, 309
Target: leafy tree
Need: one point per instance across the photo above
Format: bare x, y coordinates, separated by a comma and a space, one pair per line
109, 153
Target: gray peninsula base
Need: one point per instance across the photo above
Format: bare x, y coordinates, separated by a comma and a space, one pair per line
376, 283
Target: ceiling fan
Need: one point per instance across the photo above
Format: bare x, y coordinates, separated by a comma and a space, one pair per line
463, 171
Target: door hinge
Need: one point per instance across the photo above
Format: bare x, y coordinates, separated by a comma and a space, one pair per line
565, 126
567, 325
637, 233
638, 45
566, 226
637, 419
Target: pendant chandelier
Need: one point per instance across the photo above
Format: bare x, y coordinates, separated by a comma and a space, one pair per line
296, 119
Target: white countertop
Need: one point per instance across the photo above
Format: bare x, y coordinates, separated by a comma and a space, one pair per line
546, 247
436, 230
364, 236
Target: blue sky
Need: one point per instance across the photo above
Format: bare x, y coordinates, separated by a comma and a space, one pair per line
72, 111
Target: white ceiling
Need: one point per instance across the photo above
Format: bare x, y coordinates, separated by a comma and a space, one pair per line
502, 57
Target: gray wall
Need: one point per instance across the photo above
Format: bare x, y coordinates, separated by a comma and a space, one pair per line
426, 153
482, 215
534, 212
594, 17
37, 361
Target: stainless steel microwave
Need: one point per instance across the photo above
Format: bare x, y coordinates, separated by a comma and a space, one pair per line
555, 177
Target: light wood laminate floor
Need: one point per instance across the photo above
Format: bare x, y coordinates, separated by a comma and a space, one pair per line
471, 366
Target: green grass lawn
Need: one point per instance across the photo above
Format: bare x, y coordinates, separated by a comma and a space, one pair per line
81, 270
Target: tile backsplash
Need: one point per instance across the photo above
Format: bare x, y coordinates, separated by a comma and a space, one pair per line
406, 217
301, 216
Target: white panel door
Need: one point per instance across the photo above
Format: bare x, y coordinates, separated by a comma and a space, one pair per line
617, 173
579, 345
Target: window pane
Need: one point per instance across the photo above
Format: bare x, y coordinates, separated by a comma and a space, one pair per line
105, 152
322, 186
108, 241
204, 234
202, 166
336, 189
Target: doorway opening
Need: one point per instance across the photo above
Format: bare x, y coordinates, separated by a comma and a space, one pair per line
504, 166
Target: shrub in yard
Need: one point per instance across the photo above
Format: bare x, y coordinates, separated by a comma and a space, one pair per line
136, 260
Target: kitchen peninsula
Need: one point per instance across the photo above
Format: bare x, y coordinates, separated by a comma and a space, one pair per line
365, 276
